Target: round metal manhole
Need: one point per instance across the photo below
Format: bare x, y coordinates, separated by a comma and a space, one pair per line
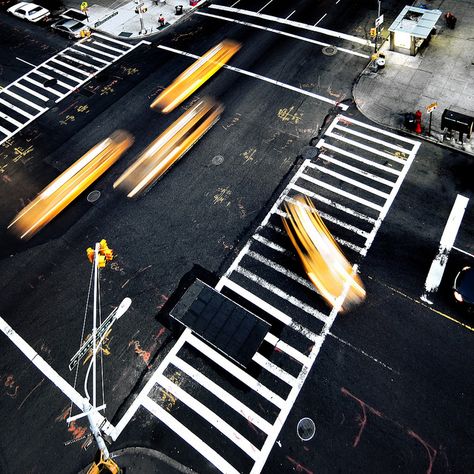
309, 152
306, 429
330, 50
93, 196
217, 160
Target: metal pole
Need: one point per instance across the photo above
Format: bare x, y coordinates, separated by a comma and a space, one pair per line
429, 126
377, 28
94, 326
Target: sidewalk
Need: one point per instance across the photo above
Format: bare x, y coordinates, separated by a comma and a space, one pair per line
443, 72
143, 460
120, 19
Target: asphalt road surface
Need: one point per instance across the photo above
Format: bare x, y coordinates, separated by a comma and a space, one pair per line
387, 385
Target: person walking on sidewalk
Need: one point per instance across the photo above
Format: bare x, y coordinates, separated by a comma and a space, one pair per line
161, 20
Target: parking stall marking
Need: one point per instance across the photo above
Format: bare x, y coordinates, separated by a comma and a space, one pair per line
57, 77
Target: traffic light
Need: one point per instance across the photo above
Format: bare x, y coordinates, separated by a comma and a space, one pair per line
90, 254
373, 32
105, 251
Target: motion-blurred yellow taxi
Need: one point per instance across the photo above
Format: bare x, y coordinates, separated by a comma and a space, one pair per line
169, 147
195, 76
323, 261
69, 184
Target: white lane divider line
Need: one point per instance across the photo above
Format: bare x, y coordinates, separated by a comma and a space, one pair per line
223, 395
284, 33
265, 6
282, 294
183, 432
262, 78
268, 308
448, 238
320, 20
295, 24
209, 416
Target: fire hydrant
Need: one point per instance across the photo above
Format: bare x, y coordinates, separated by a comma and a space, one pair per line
418, 121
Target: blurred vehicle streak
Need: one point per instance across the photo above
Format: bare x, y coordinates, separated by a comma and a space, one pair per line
69, 184
195, 76
169, 147
323, 261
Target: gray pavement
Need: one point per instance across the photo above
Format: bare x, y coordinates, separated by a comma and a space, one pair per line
443, 72
120, 18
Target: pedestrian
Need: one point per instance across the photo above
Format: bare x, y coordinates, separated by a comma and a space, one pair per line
161, 20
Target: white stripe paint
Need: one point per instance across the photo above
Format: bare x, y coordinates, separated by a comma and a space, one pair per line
223, 395
72, 68
274, 369
355, 170
463, 251
266, 5
280, 269
23, 99
321, 19
112, 40
58, 82
209, 416
269, 244
261, 78
31, 92
16, 109
350, 196
5, 132
284, 33
88, 55
38, 84
97, 51
268, 308
103, 45
351, 181
327, 146
296, 24
335, 221
331, 203
282, 294
79, 61
286, 348
96, 58
183, 432
291, 14
235, 371
370, 149
62, 73
10, 120
371, 138
344, 118
448, 238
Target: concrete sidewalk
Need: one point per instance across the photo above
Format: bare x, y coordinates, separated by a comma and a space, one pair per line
121, 20
443, 72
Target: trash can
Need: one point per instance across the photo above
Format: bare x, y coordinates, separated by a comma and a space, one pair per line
409, 121
178, 9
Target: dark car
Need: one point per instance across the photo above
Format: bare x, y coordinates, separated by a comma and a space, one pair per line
464, 286
71, 28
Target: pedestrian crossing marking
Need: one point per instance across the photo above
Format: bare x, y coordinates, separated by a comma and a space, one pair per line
68, 73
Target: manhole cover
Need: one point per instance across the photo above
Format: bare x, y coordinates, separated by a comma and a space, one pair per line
309, 152
217, 160
330, 50
93, 196
306, 429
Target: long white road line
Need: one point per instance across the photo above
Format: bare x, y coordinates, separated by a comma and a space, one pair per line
296, 24
448, 238
262, 78
283, 33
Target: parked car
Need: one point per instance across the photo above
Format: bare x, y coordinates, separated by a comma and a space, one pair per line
464, 286
29, 11
71, 28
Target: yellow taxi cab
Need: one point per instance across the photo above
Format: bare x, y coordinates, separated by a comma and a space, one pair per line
165, 150
195, 76
69, 184
323, 261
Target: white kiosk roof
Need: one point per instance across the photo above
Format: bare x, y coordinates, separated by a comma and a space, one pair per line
417, 22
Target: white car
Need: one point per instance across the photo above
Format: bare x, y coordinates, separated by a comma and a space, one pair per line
29, 11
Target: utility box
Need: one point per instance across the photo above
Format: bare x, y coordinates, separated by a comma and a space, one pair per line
458, 122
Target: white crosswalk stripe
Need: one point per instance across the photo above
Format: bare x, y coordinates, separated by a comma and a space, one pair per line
265, 276
56, 78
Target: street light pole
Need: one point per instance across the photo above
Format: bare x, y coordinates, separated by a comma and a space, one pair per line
377, 25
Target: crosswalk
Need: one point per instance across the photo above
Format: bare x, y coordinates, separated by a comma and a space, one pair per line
230, 416
30, 96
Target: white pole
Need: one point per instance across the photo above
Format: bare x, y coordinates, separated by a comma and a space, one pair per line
94, 326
